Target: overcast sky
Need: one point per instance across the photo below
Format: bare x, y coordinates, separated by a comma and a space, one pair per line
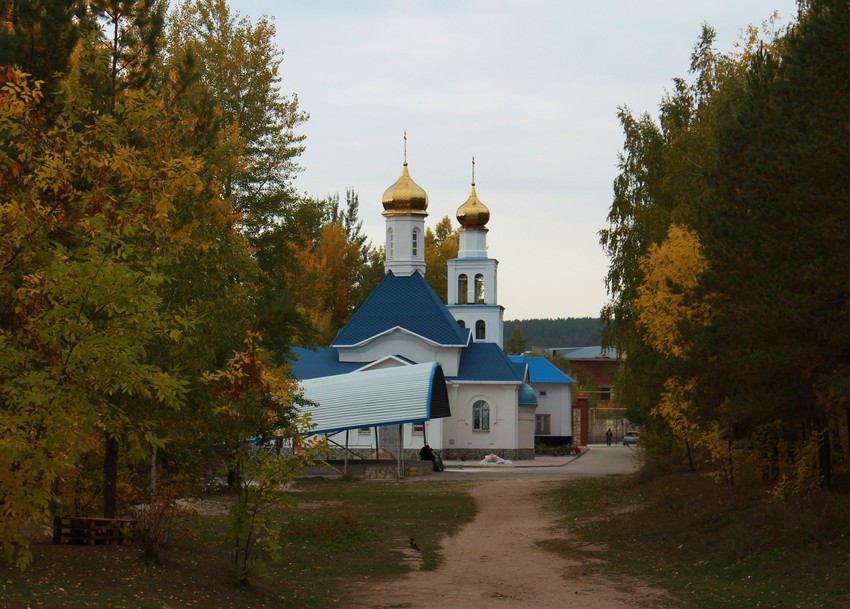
530, 88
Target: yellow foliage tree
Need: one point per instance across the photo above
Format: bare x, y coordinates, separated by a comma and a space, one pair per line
671, 272
665, 300
327, 280
85, 251
441, 244
258, 400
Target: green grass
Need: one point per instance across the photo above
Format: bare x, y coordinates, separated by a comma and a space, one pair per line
710, 546
339, 532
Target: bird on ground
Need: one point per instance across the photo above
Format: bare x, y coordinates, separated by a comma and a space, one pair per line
413, 544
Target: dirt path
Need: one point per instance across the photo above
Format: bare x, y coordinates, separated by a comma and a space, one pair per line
493, 562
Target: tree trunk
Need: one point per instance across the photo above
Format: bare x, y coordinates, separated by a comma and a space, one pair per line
110, 477
847, 430
690, 456
153, 473
825, 459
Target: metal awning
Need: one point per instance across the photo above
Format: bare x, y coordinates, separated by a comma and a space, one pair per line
374, 398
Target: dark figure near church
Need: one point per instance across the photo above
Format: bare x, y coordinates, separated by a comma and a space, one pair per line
426, 454
608, 435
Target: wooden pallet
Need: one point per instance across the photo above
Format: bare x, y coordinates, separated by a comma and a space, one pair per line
86, 531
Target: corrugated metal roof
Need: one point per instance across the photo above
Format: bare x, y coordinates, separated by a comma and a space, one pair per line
541, 370
403, 302
389, 396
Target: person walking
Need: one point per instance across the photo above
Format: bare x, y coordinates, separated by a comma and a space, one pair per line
608, 435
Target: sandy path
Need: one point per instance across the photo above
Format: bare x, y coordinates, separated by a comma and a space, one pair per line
493, 561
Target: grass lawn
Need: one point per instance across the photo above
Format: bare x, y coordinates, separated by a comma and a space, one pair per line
338, 532
711, 547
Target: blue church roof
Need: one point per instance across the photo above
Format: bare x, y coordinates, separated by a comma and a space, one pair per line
541, 370
486, 362
479, 362
586, 352
310, 364
406, 302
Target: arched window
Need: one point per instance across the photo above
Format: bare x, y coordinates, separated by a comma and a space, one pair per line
462, 284
480, 330
481, 416
390, 245
461, 323
414, 244
479, 289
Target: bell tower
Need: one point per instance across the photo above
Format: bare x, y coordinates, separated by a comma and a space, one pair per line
472, 275
405, 209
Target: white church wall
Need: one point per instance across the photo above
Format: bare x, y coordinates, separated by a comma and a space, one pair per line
492, 316
556, 401
461, 438
405, 345
526, 422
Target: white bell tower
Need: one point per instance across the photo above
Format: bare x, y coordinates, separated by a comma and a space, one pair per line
405, 209
472, 275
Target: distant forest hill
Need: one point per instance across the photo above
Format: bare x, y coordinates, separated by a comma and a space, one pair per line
548, 333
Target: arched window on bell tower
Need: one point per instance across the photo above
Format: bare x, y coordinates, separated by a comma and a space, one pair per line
462, 286
480, 330
479, 289
390, 244
414, 243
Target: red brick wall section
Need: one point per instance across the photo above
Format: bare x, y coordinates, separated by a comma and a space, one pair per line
580, 419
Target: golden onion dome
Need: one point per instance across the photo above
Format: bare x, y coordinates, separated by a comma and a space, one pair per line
405, 197
473, 215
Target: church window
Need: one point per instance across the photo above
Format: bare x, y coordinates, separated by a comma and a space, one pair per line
480, 330
461, 323
462, 284
415, 243
543, 424
390, 244
481, 416
479, 289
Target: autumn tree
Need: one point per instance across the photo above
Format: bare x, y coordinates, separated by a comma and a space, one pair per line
749, 157
665, 178
39, 37
441, 245
778, 270
85, 220
258, 401
240, 65
666, 304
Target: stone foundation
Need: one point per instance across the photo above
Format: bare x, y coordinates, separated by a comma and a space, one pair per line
373, 469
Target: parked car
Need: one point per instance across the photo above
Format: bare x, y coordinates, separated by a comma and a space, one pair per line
631, 437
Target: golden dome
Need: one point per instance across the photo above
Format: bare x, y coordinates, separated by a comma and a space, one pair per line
405, 197
473, 215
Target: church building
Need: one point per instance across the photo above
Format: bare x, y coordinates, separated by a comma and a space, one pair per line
493, 407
